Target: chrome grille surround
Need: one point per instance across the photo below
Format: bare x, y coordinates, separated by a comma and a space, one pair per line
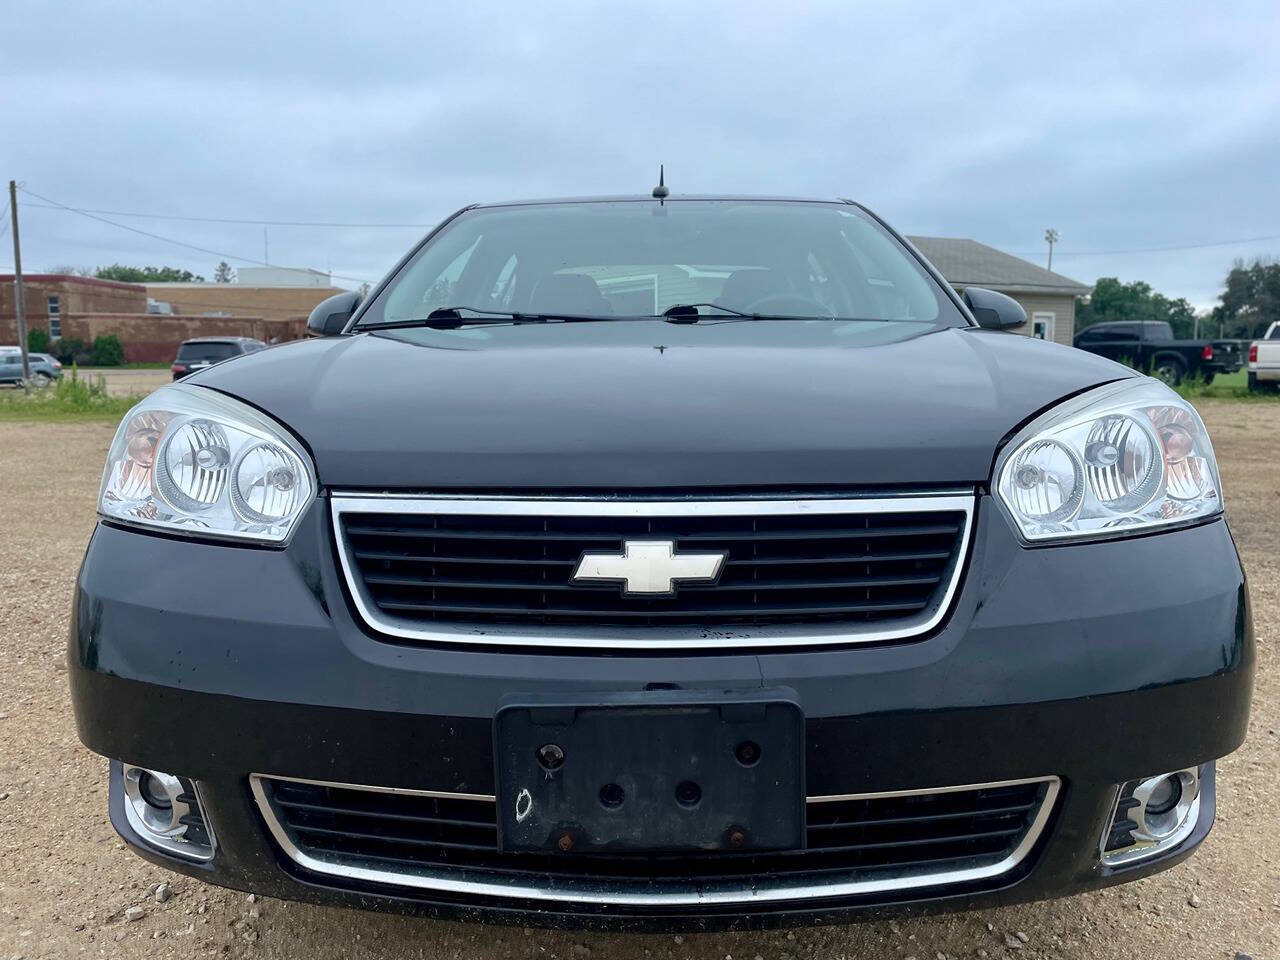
729, 637
457, 879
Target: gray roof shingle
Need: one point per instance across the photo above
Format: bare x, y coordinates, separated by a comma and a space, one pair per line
967, 262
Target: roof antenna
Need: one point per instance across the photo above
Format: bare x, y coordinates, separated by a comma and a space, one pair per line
660, 192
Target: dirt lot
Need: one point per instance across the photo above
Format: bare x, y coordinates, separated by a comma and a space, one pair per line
125, 383
66, 881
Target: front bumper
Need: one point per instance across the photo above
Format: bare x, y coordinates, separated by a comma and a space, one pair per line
1091, 663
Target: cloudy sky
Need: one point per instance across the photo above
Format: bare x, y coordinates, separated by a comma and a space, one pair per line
1126, 127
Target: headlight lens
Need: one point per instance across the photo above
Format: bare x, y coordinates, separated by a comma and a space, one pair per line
194, 460
1118, 460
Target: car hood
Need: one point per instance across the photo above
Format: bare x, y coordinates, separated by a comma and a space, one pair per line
639, 404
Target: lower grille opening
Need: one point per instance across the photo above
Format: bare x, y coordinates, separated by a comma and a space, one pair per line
921, 838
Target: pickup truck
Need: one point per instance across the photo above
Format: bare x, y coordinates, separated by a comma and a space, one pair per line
1264, 361
1149, 345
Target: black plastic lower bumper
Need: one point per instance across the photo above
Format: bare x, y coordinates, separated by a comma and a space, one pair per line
1094, 663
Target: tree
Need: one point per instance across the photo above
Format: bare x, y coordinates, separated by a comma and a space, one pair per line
223, 273
146, 274
68, 270
1251, 301
1112, 300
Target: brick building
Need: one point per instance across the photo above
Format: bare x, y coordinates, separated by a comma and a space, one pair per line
48, 298
85, 308
253, 298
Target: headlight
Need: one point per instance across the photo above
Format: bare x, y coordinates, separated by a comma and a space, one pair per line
1122, 459
196, 461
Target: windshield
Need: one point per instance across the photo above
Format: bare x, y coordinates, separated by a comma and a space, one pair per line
209, 352
640, 259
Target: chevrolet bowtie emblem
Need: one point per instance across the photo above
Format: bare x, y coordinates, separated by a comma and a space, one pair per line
649, 567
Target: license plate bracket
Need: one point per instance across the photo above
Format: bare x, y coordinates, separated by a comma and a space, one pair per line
652, 772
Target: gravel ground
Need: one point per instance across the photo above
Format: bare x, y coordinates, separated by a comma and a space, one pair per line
68, 887
124, 383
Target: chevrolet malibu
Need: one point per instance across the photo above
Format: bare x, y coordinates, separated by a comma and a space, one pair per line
663, 562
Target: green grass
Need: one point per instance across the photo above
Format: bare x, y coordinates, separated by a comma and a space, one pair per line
71, 398
1230, 386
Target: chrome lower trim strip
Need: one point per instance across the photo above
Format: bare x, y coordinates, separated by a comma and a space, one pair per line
730, 638
477, 883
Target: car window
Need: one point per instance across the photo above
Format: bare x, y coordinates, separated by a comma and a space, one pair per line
207, 352
1275, 333
620, 258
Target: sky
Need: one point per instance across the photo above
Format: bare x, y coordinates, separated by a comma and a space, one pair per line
1129, 128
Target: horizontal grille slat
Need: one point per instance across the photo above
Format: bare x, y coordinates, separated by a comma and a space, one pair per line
842, 558
544, 535
776, 609
778, 567
391, 838
832, 584
919, 832
442, 558
889, 821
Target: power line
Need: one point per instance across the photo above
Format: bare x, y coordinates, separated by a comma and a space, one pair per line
265, 223
179, 243
1111, 253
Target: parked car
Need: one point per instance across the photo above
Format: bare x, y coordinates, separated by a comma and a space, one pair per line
44, 369
516, 593
1264, 361
1150, 345
201, 352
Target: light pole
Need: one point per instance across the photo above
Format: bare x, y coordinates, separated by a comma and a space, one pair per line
1051, 237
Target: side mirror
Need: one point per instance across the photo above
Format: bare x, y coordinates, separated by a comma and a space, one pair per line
992, 310
331, 315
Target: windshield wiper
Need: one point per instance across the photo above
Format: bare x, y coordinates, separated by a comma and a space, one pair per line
688, 312
451, 318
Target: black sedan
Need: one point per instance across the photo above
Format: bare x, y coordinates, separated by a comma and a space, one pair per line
663, 562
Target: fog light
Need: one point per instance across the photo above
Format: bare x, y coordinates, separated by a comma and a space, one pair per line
153, 792
1164, 796
1151, 816
165, 812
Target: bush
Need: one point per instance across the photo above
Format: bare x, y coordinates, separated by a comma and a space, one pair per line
37, 340
107, 351
71, 350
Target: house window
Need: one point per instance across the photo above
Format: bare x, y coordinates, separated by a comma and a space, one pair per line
55, 318
1042, 325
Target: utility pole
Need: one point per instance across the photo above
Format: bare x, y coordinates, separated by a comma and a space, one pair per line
1051, 237
18, 310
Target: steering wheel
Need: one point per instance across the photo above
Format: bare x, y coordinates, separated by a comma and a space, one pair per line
790, 304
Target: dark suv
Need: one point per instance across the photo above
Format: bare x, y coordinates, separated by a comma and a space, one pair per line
201, 352
609, 564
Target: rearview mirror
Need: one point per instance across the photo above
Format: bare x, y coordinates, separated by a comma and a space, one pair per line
992, 310
331, 315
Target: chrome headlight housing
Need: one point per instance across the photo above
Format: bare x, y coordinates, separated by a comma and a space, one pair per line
195, 461
1122, 459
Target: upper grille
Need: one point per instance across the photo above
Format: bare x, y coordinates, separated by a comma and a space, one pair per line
916, 838
825, 562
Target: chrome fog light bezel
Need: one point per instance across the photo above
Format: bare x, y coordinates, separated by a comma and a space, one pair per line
161, 826
1155, 832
